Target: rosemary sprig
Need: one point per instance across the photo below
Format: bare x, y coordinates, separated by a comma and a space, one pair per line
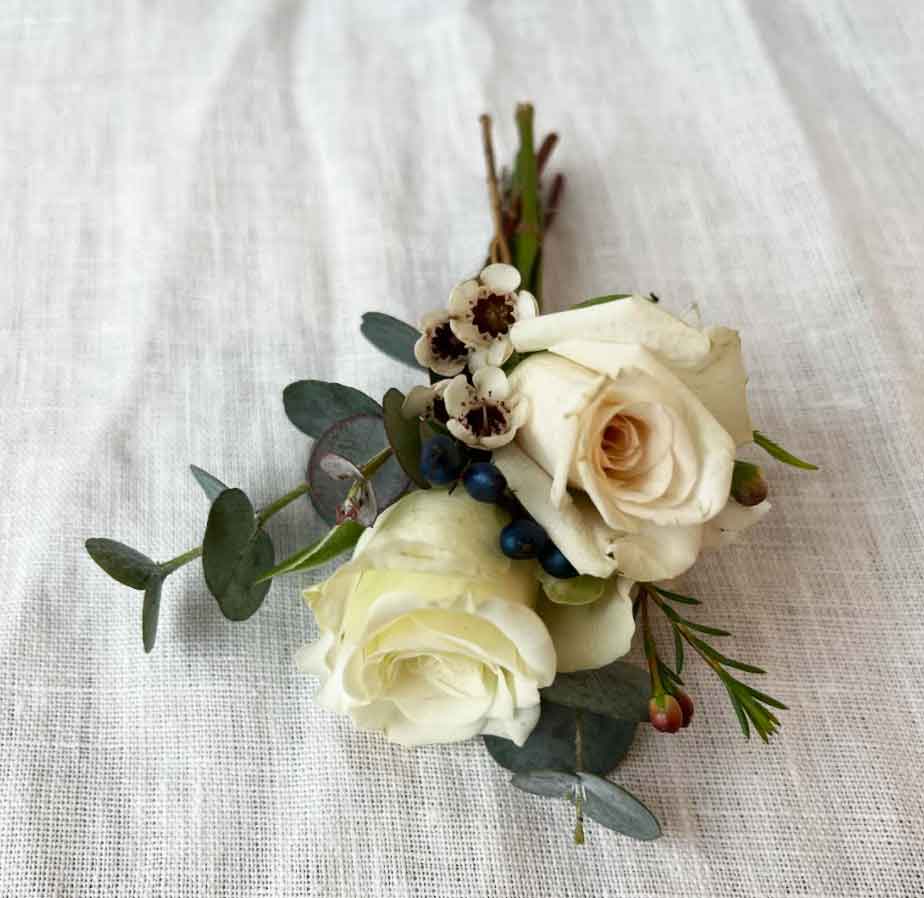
751, 706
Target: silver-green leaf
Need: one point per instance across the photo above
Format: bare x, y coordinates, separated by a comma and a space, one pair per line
548, 783
210, 484
618, 809
619, 690
391, 336
234, 551
150, 612
314, 405
123, 563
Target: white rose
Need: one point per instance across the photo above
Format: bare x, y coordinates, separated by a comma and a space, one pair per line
628, 448
428, 634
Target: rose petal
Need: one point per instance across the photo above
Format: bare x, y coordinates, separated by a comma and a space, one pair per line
590, 636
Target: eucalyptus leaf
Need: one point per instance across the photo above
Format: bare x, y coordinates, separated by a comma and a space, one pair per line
548, 783
403, 437
580, 590
620, 691
234, 550
391, 336
356, 439
338, 540
600, 300
123, 563
313, 406
150, 612
618, 809
780, 454
551, 745
211, 485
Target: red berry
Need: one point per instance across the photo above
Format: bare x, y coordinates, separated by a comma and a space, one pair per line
665, 714
686, 706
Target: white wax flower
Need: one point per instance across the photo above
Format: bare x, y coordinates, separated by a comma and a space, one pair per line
438, 347
485, 414
483, 311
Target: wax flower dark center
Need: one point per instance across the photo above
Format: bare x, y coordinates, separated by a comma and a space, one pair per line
486, 420
445, 344
493, 315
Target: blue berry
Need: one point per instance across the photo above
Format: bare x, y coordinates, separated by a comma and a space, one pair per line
554, 563
484, 482
442, 460
522, 539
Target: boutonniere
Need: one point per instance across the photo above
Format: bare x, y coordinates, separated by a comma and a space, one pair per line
514, 522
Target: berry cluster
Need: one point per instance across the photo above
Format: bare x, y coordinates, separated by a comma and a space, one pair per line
443, 461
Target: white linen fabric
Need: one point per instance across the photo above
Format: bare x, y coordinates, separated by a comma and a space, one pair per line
198, 202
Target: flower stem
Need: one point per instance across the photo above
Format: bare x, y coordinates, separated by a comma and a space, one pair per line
651, 651
526, 180
499, 248
370, 468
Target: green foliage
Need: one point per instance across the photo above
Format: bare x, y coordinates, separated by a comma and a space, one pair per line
337, 541
619, 690
150, 612
552, 744
751, 706
391, 336
547, 783
780, 454
123, 563
618, 809
315, 405
526, 186
211, 485
235, 549
403, 437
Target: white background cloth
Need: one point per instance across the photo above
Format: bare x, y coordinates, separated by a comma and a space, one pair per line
198, 201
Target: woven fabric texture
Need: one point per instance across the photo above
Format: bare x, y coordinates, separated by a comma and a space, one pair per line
198, 202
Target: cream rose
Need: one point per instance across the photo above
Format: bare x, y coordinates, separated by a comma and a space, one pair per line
428, 634
629, 445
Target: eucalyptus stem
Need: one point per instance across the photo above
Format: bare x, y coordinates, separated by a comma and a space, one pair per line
168, 567
371, 467
578, 767
499, 247
265, 514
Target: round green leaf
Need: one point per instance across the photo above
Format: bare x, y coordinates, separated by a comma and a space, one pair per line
551, 745
121, 562
618, 809
234, 553
150, 612
393, 337
314, 405
403, 437
619, 690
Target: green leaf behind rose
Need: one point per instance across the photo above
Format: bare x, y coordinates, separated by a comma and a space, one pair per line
552, 744
235, 549
600, 300
780, 454
337, 541
403, 437
619, 690
315, 405
392, 337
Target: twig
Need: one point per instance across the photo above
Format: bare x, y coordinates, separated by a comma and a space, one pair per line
545, 150
499, 245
